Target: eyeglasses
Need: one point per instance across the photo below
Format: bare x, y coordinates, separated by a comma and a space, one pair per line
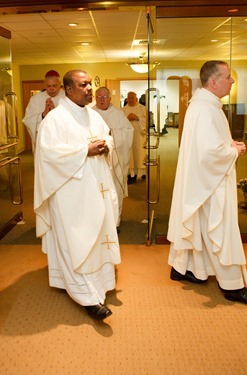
102, 97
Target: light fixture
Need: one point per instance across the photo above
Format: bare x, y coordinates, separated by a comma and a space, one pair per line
7, 70
142, 67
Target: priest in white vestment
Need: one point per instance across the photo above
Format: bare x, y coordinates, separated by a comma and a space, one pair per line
203, 225
42, 103
75, 200
121, 131
136, 114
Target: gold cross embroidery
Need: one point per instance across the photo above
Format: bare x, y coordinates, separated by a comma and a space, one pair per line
92, 137
103, 190
107, 242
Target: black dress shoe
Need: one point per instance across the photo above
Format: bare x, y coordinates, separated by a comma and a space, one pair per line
131, 180
189, 276
98, 312
238, 295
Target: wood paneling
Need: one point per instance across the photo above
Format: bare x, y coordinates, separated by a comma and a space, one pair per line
5, 33
179, 8
212, 10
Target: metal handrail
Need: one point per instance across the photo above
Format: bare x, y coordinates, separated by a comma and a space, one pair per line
157, 95
8, 145
154, 163
9, 161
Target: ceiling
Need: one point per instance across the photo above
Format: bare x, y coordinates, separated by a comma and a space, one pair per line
45, 37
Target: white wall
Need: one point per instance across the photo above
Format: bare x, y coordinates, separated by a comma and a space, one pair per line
168, 91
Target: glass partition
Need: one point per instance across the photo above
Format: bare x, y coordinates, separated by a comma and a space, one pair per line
236, 109
10, 171
175, 82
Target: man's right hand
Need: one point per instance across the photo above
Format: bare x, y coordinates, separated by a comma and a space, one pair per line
98, 147
240, 146
49, 106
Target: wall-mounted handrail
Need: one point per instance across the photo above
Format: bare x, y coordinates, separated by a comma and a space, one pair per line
7, 160
5, 146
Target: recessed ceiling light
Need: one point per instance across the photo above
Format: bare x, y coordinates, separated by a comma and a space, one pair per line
143, 42
84, 44
214, 40
72, 24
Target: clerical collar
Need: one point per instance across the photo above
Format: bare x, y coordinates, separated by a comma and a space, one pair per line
75, 106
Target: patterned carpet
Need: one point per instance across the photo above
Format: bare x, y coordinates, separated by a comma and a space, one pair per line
158, 326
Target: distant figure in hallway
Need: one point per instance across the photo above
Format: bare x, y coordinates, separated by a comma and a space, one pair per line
42, 103
203, 225
121, 131
142, 99
136, 114
75, 199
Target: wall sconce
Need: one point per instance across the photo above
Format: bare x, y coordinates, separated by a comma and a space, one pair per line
142, 67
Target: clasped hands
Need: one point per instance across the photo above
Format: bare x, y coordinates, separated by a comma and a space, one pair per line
97, 147
49, 105
240, 146
133, 117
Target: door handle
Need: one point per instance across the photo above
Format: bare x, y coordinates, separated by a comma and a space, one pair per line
153, 164
15, 184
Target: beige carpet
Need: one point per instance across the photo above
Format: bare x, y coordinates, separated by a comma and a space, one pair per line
158, 326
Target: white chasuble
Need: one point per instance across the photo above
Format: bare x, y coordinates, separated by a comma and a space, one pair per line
206, 183
82, 187
138, 152
122, 134
34, 110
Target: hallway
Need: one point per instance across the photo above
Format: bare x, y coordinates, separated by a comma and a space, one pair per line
158, 326
133, 227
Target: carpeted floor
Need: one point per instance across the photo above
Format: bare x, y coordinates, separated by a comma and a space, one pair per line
158, 326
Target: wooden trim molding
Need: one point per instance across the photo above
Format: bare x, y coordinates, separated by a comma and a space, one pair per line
5, 33
8, 226
166, 8
212, 10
